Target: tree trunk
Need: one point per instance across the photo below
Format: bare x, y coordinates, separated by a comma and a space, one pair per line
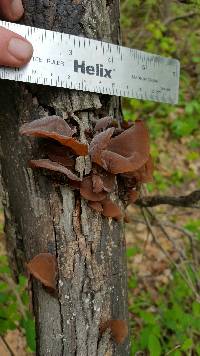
43, 216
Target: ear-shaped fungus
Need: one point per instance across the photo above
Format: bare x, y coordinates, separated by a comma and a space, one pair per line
142, 175
126, 152
44, 268
87, 191
118, 328
108, 182
145, 173
97, 183
111, 209
54, 127
53, 166
103, 182
99, 144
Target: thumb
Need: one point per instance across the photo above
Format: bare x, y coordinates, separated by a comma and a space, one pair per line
15, 51
11, 9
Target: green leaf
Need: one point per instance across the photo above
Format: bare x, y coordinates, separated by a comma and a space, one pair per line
132, 251
144, 337
148, 317
184, 127
154, 346
4, 269
29, 327
6, 325
187, 345
132, 282
177, 353
196, 309
198, 349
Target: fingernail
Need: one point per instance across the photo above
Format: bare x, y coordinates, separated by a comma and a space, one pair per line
17, 8
20, 49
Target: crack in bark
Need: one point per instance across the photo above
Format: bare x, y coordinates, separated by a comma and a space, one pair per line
58, 280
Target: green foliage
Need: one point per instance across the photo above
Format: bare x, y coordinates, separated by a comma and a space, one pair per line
14, 305
29, 327
188, 123
155, 26
194, 227
154, 345
132, 251
168, 325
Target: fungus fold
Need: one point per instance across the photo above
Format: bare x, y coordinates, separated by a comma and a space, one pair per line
53, 166
87, 191
104, 181
127, 152
56, 128
59, 154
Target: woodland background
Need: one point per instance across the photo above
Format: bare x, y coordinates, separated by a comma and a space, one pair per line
163, 243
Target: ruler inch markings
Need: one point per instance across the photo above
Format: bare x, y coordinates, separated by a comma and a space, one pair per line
68, 61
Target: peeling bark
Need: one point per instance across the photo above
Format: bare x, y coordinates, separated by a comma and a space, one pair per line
44, 216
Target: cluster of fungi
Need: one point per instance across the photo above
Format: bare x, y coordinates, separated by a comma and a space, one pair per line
117, 154
120, 157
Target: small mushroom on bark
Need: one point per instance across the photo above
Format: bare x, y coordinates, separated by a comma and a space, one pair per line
111, 209
103, 182
44, 268
107, 208
118, 328
87, 190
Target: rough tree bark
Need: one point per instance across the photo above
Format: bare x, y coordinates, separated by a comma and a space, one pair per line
42, 216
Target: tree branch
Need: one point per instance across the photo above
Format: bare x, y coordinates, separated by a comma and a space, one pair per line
7, 346
182, 201
169, 20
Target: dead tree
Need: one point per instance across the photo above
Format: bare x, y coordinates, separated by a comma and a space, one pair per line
42, 215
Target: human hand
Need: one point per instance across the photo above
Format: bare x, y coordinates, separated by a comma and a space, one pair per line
15, 51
